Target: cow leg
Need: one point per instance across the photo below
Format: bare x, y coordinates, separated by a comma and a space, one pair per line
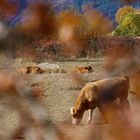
104, 113
124, 103
90, 115
125, 108
108, 110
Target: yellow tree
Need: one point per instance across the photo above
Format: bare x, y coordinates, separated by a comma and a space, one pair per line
70, 25
123, 11
96, 23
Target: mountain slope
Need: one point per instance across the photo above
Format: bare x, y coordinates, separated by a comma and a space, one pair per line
108, 7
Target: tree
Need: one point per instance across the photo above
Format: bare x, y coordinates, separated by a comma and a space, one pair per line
129, 26
123, 11
96, 23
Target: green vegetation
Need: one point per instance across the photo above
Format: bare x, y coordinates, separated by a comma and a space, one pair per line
123, 11
129, 26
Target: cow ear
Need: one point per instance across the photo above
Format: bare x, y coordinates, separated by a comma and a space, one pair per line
72, 110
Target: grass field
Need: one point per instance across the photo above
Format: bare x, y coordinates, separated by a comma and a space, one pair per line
60, 89
60, 92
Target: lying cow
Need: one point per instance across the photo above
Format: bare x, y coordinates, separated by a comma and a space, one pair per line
31, 69
97, 94
83, 69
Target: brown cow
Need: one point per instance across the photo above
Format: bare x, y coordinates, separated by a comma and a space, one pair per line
31, 69
99, 93
83, 69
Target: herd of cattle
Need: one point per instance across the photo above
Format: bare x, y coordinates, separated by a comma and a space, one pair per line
52, 68
97, 93
94, 94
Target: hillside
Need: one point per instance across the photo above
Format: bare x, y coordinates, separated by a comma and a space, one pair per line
108, 7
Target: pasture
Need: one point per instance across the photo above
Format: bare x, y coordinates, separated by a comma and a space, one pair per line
59, 93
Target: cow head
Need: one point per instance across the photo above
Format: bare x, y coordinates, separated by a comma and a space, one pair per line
89, 68
76, 115
28, 70
39, 70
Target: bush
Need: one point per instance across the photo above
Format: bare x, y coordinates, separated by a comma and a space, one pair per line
123, 11
129, 26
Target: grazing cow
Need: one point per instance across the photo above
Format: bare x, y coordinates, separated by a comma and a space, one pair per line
31, 69
89, 68
83, 69
100, 93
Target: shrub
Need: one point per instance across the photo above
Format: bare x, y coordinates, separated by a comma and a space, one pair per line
129, 26
123, 11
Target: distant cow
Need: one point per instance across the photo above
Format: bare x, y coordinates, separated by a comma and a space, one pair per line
83, 69
97, 94
31, 69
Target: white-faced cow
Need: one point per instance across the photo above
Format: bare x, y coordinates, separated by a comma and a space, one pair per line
97, 94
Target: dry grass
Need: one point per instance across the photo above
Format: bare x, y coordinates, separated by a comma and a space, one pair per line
58, 94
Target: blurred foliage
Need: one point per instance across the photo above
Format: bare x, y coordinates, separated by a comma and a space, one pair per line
40, 21
8, 9
91, 23
69, 17
129, 26
96, 23
76, 29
